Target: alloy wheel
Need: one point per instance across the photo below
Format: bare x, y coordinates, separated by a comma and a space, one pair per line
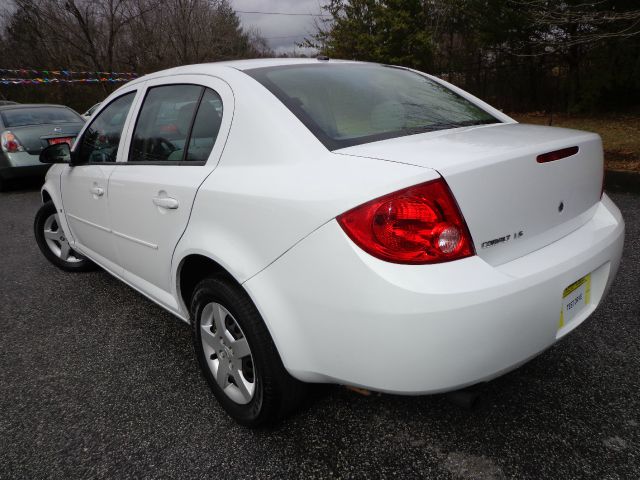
228, 354
57, 241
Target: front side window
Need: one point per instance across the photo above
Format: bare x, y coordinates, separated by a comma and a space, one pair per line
100, 140
177, 123
350, 104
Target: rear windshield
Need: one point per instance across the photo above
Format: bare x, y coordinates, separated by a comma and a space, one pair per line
351, 104
38, 116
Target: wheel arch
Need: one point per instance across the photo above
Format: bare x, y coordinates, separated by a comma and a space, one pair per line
49, 192
46, 196
193, 268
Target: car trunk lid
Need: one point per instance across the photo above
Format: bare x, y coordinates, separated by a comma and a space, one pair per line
35, 137
512, 204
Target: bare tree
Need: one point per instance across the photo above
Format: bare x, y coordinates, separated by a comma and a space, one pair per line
111, 35
574, 23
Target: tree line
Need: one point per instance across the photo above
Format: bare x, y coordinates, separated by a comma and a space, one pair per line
522, 55
117, 36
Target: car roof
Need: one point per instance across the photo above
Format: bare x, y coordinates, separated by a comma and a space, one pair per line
213, 68
18, 106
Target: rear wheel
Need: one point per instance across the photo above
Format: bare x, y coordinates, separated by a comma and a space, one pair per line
53, 242
238, 357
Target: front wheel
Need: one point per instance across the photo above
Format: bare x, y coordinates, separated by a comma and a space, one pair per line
53, 242
238, 357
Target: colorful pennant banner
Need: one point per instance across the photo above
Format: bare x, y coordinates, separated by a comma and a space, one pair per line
63, 73
41, 81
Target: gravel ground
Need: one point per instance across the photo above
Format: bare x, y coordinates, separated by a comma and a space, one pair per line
96, 381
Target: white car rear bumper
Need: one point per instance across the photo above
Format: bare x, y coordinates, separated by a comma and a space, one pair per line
339, 315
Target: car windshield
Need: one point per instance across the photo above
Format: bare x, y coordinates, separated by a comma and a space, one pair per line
17, 117
350, 104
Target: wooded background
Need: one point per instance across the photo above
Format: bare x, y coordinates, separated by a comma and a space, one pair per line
116, 36
521, 55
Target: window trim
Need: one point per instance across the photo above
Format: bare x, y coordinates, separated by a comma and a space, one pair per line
163, 162
78, 144
188, 137
187, 140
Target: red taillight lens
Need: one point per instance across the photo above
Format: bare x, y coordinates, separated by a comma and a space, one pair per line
10, 143
417, 225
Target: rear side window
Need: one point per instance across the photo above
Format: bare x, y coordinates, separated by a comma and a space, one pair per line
100, 140
350, 104
177, 123
205, 127
38, 116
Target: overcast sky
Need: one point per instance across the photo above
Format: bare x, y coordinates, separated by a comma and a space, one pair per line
281, 31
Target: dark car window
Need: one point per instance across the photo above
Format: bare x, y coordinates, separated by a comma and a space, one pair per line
18, 117
205, 127
350, 104
164, 123
100, 140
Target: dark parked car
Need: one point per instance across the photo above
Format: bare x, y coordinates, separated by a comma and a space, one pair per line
26, 130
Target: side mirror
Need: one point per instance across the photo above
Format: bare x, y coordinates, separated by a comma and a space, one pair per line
57, 153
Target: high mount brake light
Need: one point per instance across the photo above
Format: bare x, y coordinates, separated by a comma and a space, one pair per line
557, 155
418, 225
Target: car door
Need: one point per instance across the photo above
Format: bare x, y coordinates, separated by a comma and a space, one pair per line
176, 143
84, 186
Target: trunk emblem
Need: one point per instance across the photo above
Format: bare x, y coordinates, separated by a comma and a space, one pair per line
506, 238
57, 129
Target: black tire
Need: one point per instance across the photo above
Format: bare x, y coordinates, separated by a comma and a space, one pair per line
276, 393
81, 264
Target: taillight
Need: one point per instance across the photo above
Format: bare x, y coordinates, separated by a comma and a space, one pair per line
10, 143
417, 225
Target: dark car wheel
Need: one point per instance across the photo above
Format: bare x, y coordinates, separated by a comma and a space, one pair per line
238, 357
54, 244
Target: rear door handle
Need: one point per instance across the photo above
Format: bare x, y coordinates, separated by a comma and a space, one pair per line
97, 191
166, 202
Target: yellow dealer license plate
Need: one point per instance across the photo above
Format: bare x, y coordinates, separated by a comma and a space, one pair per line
574, 299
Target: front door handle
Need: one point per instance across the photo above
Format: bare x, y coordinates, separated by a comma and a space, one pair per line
166, 202
97, 191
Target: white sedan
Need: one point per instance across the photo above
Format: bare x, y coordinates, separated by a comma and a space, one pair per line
337, 222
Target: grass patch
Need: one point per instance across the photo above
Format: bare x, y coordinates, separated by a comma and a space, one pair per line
620, 134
